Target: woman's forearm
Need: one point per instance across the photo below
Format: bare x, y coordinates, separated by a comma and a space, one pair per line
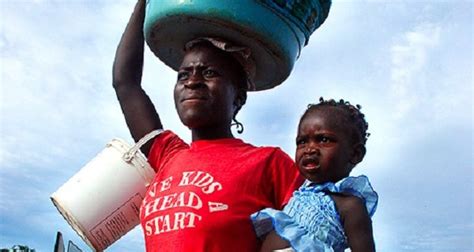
128, 63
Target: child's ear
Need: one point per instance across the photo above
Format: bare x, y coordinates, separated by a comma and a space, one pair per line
358, 153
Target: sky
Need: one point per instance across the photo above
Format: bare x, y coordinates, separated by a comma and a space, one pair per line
408, 63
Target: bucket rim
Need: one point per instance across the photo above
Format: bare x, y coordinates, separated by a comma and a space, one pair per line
71, 220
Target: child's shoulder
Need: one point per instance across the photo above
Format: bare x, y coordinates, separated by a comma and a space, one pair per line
348, 203
355, 195
351, 209
357, 192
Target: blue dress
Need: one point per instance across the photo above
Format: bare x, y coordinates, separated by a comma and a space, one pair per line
310, 221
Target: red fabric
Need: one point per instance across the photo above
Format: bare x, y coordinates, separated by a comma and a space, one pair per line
203, 194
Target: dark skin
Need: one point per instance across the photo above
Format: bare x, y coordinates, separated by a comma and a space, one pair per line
326, 152
140, 114
206, 96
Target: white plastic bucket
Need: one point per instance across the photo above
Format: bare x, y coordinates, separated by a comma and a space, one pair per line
102, 201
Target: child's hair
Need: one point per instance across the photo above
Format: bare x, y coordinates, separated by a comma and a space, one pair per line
351, 112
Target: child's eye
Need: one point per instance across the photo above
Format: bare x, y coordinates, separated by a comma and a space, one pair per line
300, 141
182, 76
325, 139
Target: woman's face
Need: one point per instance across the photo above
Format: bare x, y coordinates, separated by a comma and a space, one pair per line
323, 147
204, 93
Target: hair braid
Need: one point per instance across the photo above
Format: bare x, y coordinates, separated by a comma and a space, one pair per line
357, 118
242, 89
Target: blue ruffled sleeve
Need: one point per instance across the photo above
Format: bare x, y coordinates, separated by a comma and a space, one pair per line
288, 229
360, 187
310, 221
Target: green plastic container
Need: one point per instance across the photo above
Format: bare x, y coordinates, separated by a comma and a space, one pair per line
275, 30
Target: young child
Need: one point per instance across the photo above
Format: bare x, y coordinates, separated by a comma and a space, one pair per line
331, 211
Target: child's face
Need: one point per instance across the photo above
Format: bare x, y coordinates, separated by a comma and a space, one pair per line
323, 146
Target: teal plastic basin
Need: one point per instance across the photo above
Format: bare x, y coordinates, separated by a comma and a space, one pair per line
268, 28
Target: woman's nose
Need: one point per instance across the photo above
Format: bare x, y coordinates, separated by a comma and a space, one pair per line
195, 80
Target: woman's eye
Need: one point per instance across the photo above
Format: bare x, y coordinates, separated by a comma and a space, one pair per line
208, 73
183, 76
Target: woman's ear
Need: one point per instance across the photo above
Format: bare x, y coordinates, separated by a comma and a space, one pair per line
358, 153
240, 99
237, 102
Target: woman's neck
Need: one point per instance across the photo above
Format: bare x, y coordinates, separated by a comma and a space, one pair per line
210, 133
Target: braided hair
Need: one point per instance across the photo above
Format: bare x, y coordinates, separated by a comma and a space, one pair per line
351, 113
241, 83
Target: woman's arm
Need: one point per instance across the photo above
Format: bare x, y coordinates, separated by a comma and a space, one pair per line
356, 221
140, 114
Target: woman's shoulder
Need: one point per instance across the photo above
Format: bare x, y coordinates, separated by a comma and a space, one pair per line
168, 138
164, 146
269, 151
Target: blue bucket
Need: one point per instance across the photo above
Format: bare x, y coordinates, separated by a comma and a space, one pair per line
274, 30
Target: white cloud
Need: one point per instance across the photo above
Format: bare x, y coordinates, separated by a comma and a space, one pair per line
448, 238
54, 87
58, 108
409, 56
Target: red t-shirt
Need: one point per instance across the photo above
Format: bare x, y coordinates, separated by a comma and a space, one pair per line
203, 194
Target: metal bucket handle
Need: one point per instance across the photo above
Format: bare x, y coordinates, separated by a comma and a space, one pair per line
128, 156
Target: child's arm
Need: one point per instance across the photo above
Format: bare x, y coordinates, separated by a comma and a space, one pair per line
356, 222
273, 242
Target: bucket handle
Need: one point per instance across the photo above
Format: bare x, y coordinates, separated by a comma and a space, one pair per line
128, 156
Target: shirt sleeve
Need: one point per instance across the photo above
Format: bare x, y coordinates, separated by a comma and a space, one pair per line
285, 177
164, 147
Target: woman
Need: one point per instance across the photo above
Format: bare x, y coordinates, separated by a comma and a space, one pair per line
204, 192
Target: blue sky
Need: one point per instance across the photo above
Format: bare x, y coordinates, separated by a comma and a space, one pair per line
408, 63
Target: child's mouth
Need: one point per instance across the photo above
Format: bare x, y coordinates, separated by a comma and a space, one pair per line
311, 164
